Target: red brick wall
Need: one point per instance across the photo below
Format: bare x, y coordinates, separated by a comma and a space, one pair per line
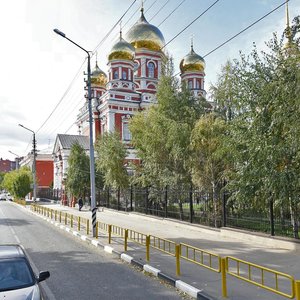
44, 173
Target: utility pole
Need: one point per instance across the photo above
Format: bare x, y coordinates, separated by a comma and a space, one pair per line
92, 158
34, 161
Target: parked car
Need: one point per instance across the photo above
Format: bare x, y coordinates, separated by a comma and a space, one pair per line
9, 197
17, 279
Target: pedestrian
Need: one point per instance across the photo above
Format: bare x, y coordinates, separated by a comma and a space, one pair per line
80, 203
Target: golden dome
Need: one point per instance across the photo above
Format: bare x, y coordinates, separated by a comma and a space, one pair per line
192, 62
121, 50
98, 77
144, 35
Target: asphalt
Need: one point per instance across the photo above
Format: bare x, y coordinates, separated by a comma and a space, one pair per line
198, 282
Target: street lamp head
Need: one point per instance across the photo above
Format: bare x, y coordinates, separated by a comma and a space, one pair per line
59, 32
14, 153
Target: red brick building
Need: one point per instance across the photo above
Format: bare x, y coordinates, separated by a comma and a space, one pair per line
7, 165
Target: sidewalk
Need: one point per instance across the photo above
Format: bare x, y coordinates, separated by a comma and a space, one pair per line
278, 255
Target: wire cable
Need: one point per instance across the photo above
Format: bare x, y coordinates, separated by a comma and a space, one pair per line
171, 12
186, 27
252, 24
161, 8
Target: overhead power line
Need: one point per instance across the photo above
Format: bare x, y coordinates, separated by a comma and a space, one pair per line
240, 32
78, 72
186, 27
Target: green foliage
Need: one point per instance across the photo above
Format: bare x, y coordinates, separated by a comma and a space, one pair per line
111, 154
207, 144
1, 179
78, 177
21, 185
161, 134
18, 182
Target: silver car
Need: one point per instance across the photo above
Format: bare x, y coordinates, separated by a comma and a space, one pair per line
17, 279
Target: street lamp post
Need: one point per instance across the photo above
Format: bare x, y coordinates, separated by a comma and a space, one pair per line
92, 159
34, 161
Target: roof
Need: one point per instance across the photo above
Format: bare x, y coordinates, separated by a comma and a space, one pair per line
9, 251
68, 140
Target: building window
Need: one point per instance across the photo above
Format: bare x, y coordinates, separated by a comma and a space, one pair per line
151, 70
124, 75
197, 84
125, 132
116, 75
190, 84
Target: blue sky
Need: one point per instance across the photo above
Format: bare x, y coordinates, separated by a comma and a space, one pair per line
38, 66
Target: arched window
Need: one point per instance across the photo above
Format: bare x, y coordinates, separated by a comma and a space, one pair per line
116, 74
124, 75
151, 70
190, 84
125, 132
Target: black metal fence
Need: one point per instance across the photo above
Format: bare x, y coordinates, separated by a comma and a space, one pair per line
191, 205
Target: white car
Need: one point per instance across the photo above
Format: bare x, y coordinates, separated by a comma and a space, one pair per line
17, 279
9, 197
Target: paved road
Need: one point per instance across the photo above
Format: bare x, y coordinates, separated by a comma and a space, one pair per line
78, 271
277, 258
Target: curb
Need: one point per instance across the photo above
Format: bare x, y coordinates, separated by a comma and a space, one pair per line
179, 284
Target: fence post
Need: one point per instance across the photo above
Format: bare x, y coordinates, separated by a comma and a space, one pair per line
131, 197
272, 227
78, 224
223, 274
107, 203
109, 234
60, 217
146, 201
71, 221
97, 226
166, 201
191, 204
118, 196
224, 200
125, 239
55, 215
297, 289
148, 247
177, 255
87, 226
66, 216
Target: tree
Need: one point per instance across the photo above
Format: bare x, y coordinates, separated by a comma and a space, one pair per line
111, 155
21, 184
209, 161
18, 182
223, 92
161, 134
265, 133
78, 176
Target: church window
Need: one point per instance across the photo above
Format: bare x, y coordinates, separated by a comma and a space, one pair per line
151, 70
197, 84
124, 75
125, 132
190, 84
116, 74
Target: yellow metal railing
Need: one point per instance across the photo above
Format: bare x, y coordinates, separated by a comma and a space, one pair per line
265, 278
163, 245
137, 237
268, 279
201, 257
